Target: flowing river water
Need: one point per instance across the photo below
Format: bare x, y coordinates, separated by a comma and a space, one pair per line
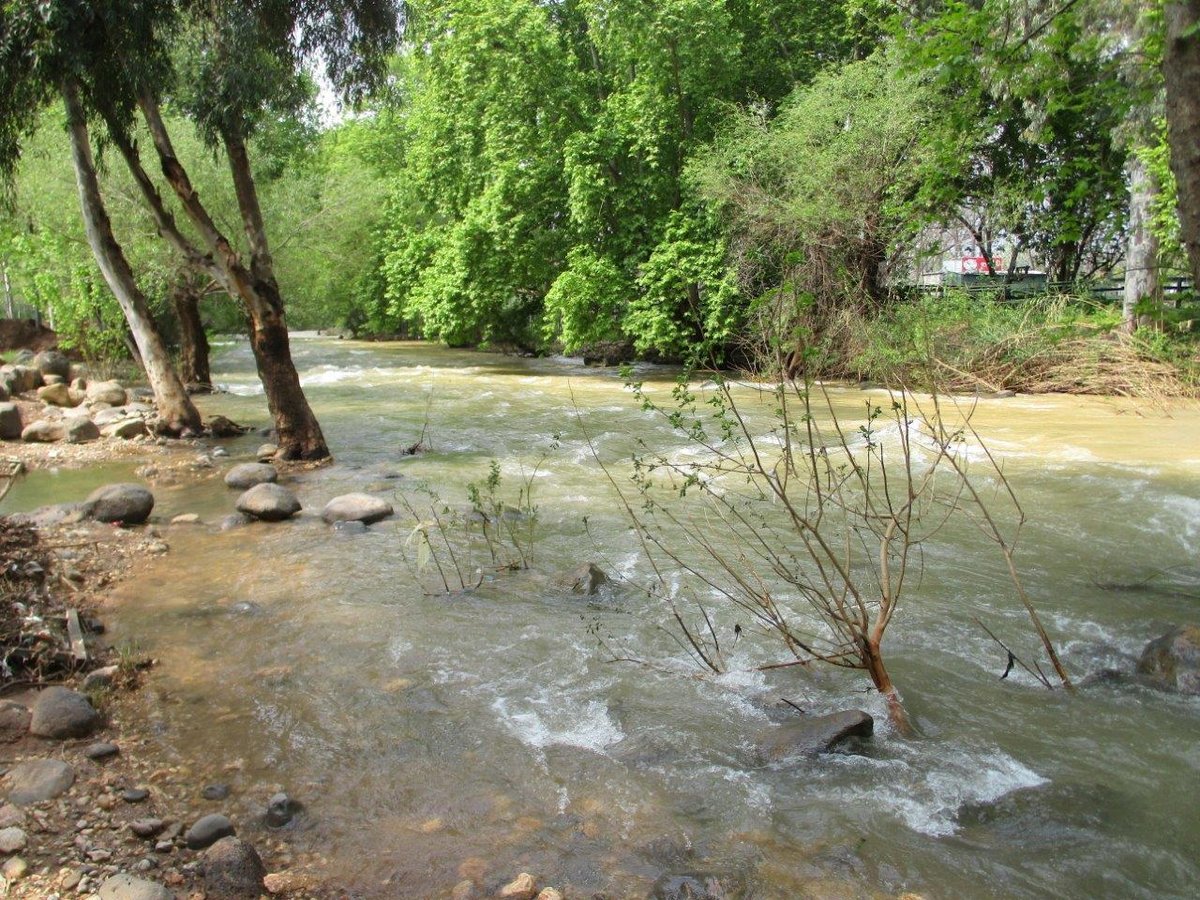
487, 732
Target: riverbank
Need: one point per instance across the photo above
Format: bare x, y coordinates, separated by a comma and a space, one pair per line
101, 800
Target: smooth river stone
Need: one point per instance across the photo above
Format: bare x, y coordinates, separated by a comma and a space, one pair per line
356, 508
268, 502
36, 780
247, 475
61, 713
207, 831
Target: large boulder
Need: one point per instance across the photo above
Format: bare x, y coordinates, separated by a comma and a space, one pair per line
80, 430
37, 780
233, 869
10, 422
44, 431
110, 392
58, 395
128, 504
268, 502
356, 508
52, 362
247, 475
815, 734
1172, 662
62, 713
127, 887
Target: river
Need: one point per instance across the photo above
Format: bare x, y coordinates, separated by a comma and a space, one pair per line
487, 732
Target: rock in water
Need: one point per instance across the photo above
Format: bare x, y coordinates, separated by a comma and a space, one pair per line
233, 869
268, 502
587, 579
126, 887
816, 734
10, 422
522, 887
1172, 662
36, 780
281, 809
208, 830
689, 887
356, 508
61, 713
128, 504
247, 475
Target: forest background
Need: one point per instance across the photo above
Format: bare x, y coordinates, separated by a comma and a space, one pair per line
619, 178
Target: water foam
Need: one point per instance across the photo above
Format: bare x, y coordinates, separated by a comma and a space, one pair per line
545, 721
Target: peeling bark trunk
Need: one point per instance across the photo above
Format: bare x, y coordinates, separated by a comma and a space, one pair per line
300, 435
176, 412
193, 343
1181, 75
1141, 252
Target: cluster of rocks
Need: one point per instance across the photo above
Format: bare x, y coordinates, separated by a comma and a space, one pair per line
74, 409
523, 887
64, 842
265, 500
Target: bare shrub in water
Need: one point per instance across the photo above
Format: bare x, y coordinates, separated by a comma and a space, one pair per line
810, 529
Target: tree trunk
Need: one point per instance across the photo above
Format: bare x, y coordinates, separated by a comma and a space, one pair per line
175, 410
8, 295
193, 343
1141, 251
872, 657
300, 435
1181, 75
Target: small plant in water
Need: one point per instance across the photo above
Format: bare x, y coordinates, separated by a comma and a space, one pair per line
451, 540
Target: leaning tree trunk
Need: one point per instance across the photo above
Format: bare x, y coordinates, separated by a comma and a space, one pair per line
300, 435
1181, 76
193, 343
1141, 249
176, 412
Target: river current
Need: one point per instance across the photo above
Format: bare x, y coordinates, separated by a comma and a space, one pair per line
488, 731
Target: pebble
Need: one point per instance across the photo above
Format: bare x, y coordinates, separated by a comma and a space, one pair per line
10, 816
549, 894
147, 828
101, 751
12, 840
522, 887
14, 869
215, 792
134, 795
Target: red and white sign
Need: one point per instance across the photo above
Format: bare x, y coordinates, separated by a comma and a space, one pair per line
976, 264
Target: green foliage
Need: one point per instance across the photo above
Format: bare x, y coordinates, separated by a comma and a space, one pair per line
540, 193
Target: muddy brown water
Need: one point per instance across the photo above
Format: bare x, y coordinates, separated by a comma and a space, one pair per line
433, 735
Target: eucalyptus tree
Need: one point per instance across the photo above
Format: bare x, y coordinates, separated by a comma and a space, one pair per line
1181, 74
238, 65
60, 49
231, 67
